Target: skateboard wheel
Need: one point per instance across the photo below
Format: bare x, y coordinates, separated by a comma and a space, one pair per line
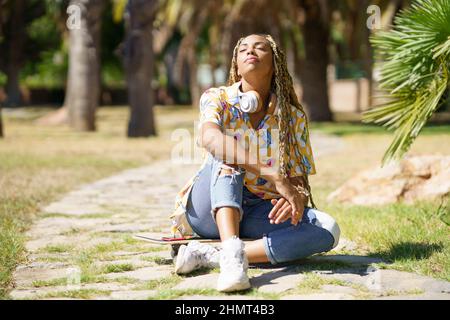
174, 250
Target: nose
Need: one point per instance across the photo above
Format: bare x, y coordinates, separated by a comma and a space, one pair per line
251, 50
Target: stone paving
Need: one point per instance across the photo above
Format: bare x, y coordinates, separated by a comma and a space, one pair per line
82, 247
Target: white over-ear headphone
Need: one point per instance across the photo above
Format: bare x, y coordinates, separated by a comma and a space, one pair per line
249, 101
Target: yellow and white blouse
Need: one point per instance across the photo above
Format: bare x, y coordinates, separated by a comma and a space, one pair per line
221, 106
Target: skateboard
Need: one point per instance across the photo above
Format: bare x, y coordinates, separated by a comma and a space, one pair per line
175, 243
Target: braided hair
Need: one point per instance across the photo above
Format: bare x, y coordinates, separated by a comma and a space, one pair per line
283, 87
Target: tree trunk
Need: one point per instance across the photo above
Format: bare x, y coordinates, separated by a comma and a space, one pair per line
17, 40
368, 60
193, 79
1, 34
1, 123
139, 61
83, 84
314, 67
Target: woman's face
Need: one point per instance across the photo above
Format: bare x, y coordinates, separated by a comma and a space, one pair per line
254, 57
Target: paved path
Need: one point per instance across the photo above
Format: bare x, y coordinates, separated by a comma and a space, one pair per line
81, 247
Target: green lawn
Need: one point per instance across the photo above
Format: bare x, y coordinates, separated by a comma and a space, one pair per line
410, 237
39, 164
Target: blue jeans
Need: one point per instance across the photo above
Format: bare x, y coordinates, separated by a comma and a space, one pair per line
317, 232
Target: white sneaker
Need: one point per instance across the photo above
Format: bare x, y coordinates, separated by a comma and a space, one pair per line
196, 255
233, 266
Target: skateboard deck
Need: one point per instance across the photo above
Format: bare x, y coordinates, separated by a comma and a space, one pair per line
171, 240
175, 243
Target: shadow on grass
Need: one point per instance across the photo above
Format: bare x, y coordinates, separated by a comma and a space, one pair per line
409, 251
329, 264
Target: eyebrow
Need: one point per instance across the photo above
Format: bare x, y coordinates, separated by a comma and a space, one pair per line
256, 43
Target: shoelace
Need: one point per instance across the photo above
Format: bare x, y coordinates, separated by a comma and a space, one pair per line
202, 254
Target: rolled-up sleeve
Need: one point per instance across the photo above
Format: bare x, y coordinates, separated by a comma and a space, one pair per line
211, 109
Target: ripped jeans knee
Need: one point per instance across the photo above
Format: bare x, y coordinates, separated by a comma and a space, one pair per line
227, 183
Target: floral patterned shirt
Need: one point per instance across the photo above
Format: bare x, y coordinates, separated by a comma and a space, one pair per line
221, 106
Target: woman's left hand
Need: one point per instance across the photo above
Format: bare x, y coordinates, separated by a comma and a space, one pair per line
282, 212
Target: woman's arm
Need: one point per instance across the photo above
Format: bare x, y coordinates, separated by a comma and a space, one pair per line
228, 149
282, 208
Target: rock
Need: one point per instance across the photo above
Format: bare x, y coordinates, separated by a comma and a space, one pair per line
381, 281
205, 281
404, 281
224, 297
331, 288
39, 293
319, 296
413, 178
277, 282
425, 296
345, 245
358, 277
347, 259
143, 274
132, 295
24, 276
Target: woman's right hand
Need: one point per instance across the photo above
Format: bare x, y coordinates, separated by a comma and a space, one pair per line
288, 192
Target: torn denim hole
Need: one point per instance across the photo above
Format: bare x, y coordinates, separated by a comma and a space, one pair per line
233, 173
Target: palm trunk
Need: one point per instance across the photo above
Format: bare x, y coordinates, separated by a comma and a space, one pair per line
17, 40
83, 85
314, 67
1, 34
1, 123
139, 61
193, 80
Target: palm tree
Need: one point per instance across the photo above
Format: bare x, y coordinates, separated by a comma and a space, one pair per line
139, 62
1, 35
313, 73
414, 70
14, 58
83, 84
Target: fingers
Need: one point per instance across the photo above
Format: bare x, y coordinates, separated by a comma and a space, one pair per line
283, 214
276, 217
279, 203
283, 209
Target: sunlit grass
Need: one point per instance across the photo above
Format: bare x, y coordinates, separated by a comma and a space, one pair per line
38, 164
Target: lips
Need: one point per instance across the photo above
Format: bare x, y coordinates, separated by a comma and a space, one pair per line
252, 59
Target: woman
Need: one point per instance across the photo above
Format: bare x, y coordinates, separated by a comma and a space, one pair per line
257, 190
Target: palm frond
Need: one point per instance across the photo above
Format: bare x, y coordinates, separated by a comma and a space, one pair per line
414, 71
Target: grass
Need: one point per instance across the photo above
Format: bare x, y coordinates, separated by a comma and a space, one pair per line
410, 237
59, 248
347, 129
158, 260
39, 164
313, 282
76, 294
122, 267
